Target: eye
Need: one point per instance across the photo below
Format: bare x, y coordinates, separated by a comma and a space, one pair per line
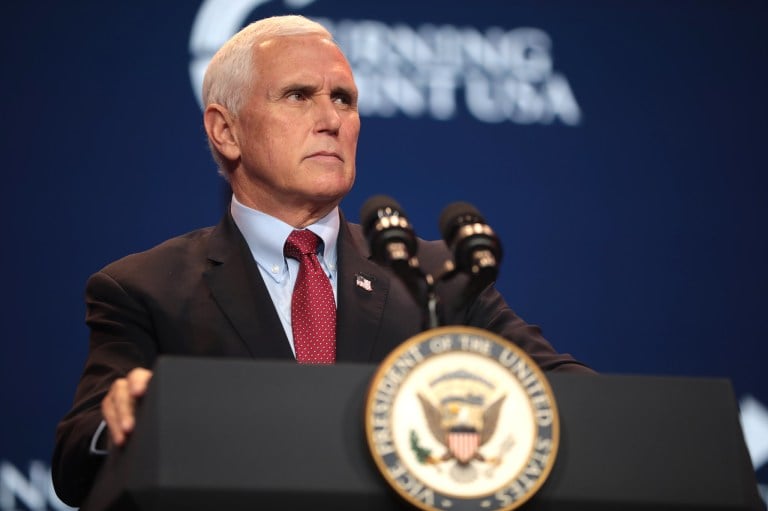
296, 95
343, 98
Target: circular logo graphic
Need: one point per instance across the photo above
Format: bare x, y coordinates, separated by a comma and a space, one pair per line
458, 418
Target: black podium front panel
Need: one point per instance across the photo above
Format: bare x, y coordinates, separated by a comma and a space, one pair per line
231, 434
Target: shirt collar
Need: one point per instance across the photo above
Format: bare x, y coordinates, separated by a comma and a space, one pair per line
266, 235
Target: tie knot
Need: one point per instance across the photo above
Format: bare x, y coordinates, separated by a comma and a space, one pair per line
301, 242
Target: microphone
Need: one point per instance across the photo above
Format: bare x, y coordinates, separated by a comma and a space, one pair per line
389, 233
393, 242
475, 247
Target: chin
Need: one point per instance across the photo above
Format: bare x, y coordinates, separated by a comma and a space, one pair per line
327, 198
334, 188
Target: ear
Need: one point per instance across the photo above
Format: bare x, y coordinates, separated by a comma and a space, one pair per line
220, 127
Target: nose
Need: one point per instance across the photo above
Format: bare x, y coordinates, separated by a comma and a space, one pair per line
328, 119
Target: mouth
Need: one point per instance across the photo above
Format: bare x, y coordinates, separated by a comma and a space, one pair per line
326, 155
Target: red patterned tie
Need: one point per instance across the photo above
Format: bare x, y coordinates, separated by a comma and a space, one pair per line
313, 309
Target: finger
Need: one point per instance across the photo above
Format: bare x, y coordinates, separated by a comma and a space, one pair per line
108, 412
138, 380
123, 403
113, 410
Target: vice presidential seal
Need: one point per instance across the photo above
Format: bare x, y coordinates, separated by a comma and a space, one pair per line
458, 418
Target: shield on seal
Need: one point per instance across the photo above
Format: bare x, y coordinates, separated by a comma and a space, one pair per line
463, 444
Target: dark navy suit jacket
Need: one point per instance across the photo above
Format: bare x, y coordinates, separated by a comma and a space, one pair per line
202, 294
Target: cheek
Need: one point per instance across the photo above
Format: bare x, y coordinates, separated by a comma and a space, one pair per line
278, 147
269, 133
351, 139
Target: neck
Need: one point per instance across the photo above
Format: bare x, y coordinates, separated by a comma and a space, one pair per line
298, 216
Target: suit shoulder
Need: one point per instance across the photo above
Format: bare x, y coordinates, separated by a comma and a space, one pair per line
171, 252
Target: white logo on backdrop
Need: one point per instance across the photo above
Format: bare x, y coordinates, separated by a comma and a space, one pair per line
426, 71
754, 422
35, 491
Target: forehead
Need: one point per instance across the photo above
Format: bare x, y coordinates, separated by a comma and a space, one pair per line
284, 57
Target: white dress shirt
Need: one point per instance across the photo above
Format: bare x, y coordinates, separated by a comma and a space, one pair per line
266, 237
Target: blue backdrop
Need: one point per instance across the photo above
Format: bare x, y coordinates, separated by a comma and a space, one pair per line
618, 148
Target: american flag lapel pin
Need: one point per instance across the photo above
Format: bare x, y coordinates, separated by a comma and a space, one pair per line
363, 282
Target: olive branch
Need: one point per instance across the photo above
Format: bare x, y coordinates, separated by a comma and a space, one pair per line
421, 453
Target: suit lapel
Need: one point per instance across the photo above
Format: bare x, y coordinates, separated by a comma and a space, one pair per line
362, 291
240, 292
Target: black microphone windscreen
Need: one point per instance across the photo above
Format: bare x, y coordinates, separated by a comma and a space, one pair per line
455, 215
369, 212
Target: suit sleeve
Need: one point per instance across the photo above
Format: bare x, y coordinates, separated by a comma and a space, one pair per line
487, 309
491, 312
121, 339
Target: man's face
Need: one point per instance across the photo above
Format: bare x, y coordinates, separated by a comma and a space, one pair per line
298, 127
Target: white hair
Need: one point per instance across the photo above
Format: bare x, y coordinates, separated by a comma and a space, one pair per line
231, 71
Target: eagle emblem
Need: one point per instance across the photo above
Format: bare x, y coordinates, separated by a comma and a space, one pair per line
462, 416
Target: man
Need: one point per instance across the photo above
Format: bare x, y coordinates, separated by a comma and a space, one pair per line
282, 122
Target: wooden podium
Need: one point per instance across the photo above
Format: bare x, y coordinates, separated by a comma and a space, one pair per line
234, 434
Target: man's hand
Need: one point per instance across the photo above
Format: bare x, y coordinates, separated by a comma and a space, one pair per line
119, 405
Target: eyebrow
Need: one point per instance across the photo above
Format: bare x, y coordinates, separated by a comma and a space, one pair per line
297, 86
308, 88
